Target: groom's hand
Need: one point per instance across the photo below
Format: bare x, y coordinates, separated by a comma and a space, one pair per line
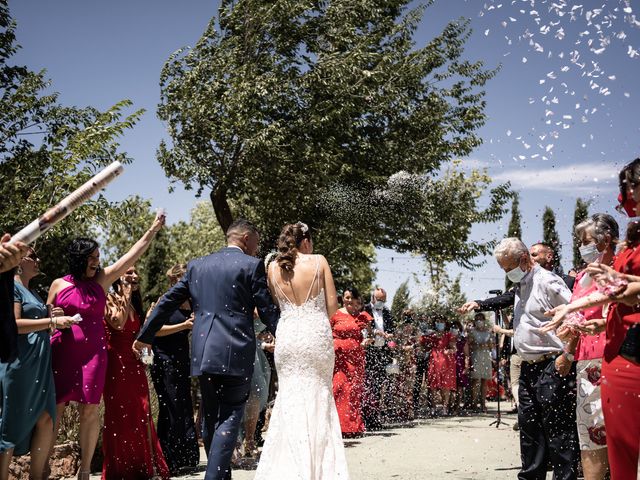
138, 346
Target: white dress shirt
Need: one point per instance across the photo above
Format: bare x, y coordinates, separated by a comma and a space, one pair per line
539, 291
378, 324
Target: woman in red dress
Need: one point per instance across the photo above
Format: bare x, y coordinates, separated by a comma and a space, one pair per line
442, 363
348, 373
129, 442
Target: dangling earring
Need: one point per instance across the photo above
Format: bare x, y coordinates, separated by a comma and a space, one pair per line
18, 270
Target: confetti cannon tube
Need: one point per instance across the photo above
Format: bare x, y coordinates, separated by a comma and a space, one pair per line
31, 232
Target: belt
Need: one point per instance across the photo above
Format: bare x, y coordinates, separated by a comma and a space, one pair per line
542, 358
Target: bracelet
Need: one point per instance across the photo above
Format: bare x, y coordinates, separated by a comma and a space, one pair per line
55, 323
51, 323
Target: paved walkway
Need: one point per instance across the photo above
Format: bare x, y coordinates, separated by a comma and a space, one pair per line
442, 448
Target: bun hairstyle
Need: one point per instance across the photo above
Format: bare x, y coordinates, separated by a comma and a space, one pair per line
78, 253
289, 242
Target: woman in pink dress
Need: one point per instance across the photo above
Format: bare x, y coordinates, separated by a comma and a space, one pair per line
79, 354
130, 445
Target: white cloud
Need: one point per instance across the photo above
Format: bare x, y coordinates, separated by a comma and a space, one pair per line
473, 164
584, 178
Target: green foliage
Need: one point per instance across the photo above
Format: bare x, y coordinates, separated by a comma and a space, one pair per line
515, 228
415, 219
580, 214
277, 104
401, 300
198, 237
47, 151
442, 299
550, 236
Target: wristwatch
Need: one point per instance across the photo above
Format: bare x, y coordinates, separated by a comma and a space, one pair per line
569, 356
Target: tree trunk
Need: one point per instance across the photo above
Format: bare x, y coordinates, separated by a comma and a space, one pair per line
221, 207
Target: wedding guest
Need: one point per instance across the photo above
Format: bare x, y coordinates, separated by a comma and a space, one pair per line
79, 354
172, 382
10, 256
28, 402
378, 357
620, 384
481, 344
599, 236
442, 363
462, 364
423, 350
130, 445
547, 423
348, 372
544, 255
259, 392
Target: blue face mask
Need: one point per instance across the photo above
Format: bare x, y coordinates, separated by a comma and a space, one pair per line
439, 326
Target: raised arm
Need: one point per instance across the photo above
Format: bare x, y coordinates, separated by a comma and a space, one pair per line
109, 274
330, 295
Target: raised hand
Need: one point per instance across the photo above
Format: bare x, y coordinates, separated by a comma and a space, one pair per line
468, 307
10, 254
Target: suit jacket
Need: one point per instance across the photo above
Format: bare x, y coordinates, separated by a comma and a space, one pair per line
387, 318
225, 288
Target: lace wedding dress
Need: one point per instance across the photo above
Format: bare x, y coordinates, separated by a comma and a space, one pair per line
304, 441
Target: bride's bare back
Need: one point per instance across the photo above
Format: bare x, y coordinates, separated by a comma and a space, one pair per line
311, 275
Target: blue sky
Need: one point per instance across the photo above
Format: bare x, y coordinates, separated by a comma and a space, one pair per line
562, 111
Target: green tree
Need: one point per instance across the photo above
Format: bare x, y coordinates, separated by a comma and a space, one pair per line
550, 236
580, 214
515, 228
401, 300
278, 103
198, 237
48, 150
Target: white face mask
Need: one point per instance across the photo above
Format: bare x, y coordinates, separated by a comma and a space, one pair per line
378, 305
439, 326
516, 274
454, 332
589, 253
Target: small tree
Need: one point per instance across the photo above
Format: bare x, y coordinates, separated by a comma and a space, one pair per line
579, 215
515, 228
550, 236
401, 300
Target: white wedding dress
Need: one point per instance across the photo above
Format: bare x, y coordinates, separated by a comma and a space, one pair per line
304, 441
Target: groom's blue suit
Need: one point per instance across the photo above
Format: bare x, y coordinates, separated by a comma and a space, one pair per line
224, 288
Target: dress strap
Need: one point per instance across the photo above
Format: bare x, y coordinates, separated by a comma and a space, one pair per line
277, 285
315, 277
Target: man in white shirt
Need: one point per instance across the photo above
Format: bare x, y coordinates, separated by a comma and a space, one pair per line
547, 389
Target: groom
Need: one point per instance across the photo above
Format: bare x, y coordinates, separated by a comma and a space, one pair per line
225, 288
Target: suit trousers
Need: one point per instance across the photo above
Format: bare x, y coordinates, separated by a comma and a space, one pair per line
547, 419
376, 361
223, 399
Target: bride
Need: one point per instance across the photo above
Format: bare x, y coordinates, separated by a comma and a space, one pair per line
304, 440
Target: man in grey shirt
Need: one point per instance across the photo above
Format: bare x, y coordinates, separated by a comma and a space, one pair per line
547, 389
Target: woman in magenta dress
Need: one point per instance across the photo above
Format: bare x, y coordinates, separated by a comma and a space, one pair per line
130, 445
79, 354
442, 364
348, 372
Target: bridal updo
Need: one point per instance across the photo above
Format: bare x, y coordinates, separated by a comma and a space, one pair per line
289, 242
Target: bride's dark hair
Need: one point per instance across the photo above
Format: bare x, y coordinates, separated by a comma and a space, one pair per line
289, 241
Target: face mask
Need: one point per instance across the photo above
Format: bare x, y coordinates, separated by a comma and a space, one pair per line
589, 253
516, 274
455, 332
440, 326
379, 305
